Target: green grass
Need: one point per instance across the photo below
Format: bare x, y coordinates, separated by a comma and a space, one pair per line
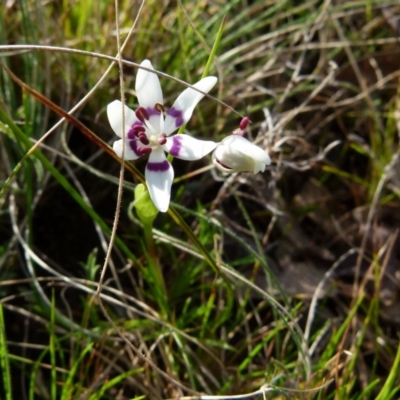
213, 298
4, 359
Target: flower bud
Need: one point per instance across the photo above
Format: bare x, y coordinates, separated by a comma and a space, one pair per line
145, 208
237, 154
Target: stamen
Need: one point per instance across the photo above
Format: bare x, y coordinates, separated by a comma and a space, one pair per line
243, 123
162, 139
142, 114
223, 165
143, 138
159, 107
144, 150
137, 129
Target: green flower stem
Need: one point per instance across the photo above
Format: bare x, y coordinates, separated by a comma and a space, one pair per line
155, 269
147, 213
5, 358
148, 235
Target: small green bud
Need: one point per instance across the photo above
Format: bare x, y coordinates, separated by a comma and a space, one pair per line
145, 209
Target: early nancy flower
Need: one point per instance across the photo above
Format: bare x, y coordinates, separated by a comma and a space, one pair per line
147, 131
237, 154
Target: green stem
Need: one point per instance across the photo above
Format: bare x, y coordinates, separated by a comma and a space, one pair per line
4, 358
148, 235
155, 269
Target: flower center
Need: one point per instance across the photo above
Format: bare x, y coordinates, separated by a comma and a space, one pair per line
153, 140
149, 134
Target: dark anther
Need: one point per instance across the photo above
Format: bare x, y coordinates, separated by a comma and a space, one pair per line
143, 138
159, 107
142, 114
223, 165
243, 123
162, 139
144, 150
137, 129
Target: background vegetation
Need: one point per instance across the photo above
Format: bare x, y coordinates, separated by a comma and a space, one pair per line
306, 301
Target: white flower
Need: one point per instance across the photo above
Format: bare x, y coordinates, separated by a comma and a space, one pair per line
147, 131
237, 154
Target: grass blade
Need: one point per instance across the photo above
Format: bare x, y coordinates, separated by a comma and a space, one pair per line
4, 360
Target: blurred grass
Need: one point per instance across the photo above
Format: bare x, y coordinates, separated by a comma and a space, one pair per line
306, 75
4, 359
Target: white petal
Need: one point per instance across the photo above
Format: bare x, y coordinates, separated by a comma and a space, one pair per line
148, 88
114, 114
217, 161
188, 148
258, 167
237, 154
159, 176
130, 153
242, 145
156, 124
182, 110
227, 159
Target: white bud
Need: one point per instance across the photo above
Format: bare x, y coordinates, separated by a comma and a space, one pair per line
237, 154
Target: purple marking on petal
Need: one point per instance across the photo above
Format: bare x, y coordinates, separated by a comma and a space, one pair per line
152, 111
158, 166
133, 144
177, 114
176, 145
174, 112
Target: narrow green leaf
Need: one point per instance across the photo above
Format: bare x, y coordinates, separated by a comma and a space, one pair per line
4, 360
